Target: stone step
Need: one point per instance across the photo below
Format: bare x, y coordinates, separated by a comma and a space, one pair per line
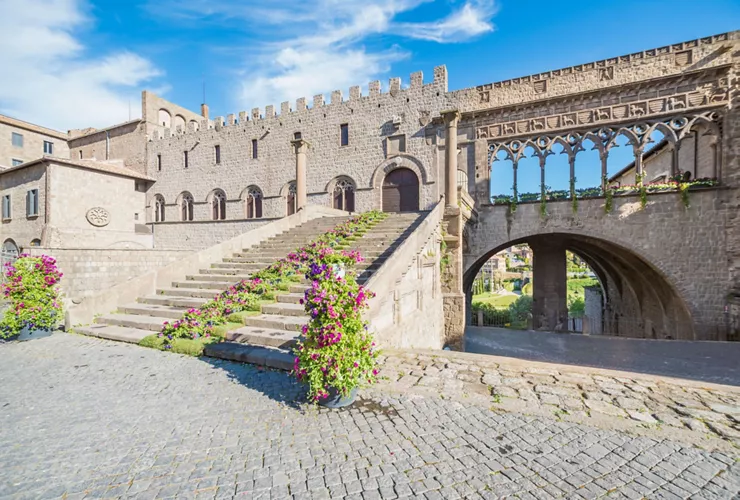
283, 309
247, 260
289, 298
156, 310
235, 278
236, 265
152, 323
111, 332
188, 292
224, 271
276, 322
244, 353
168, 300
264, 337
204, 285
298, 288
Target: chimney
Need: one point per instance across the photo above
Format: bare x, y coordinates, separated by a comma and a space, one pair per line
204, 110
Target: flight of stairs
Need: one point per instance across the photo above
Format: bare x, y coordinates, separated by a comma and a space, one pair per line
267, 339
133, 322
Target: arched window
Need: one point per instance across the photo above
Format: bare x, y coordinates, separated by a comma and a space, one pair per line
10, 249
194, 124
179, 122
159, 208
36, 242
218, 205
344, 195
292, 199
165, 118
253, 203
186, 207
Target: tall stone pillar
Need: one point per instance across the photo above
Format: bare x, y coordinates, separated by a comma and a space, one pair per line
300, 147
550, 293
451, 118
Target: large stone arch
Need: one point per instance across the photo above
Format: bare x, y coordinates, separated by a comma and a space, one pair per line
641, 285
401, 161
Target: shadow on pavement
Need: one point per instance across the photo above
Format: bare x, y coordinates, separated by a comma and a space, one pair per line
715, 362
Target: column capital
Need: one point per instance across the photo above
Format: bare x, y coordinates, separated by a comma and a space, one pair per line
300, 145
451, 117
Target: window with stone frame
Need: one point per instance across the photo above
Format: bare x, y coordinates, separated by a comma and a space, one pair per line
48, 148
253, 202
217, 152
344, 195
159, 208
17, 140
344, 134
6, 207
186, 207
218, 205
254, 149
32, 203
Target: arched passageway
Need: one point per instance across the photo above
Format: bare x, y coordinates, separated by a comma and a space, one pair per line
401, 191
637, 300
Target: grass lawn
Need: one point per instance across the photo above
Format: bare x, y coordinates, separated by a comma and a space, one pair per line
494, 299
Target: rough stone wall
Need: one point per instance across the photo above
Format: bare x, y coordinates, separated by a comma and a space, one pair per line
33, 142
126, 142
370, 120
74, 191
89, 271
199, 235
698, 273
20, 228
594, 308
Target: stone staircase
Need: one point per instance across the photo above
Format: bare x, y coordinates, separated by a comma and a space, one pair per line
133, 322
267, 339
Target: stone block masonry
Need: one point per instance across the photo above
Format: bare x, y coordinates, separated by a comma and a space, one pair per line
90, 271
198, 235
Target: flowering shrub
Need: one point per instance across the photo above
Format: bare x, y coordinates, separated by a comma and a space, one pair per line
337, 351
246, 295
31, 287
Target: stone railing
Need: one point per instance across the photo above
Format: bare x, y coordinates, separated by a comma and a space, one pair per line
102, 303
407, 309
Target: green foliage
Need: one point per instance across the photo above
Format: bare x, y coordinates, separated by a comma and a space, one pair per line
609, 203
497, 301
527, 289
520, 311
576, 307
492, 315
32, 290
683, 189
188, 347
337, 351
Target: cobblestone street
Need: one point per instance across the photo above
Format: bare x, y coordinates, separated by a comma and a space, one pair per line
87, 418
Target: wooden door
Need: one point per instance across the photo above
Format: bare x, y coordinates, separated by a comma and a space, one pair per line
401, 191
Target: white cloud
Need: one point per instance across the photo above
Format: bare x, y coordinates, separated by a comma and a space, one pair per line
49, 78
316, 47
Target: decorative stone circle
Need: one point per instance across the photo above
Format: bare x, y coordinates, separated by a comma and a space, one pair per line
98, 217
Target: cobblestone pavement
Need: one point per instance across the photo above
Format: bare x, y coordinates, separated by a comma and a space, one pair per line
88, 418
692, 412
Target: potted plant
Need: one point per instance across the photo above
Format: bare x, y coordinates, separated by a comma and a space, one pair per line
336, 354
32, 290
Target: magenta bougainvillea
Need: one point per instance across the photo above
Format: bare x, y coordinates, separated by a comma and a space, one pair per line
32, 288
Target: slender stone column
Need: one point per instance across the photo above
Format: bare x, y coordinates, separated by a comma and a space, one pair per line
543, 160
638, 166
514, 187
300, 147
572, 162
603, 155
451, 118
674, 159
550, 294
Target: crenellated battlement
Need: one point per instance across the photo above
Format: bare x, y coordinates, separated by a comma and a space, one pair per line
336, 98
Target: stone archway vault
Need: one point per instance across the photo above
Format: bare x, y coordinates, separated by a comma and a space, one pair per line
641, 301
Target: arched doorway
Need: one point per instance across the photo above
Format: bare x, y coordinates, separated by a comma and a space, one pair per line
401, 191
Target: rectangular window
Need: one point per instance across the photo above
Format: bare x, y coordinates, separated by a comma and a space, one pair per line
6, 206
17, 140
218, 154
297, 135
159, 163
16, 162
344, 134
185, 157
48, 148
32, 203
254, 149
80, 154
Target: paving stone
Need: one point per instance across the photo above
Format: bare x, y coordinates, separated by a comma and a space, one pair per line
248, 433
603, 407
642, 416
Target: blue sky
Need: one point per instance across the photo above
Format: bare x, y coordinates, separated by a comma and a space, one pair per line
79, 63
